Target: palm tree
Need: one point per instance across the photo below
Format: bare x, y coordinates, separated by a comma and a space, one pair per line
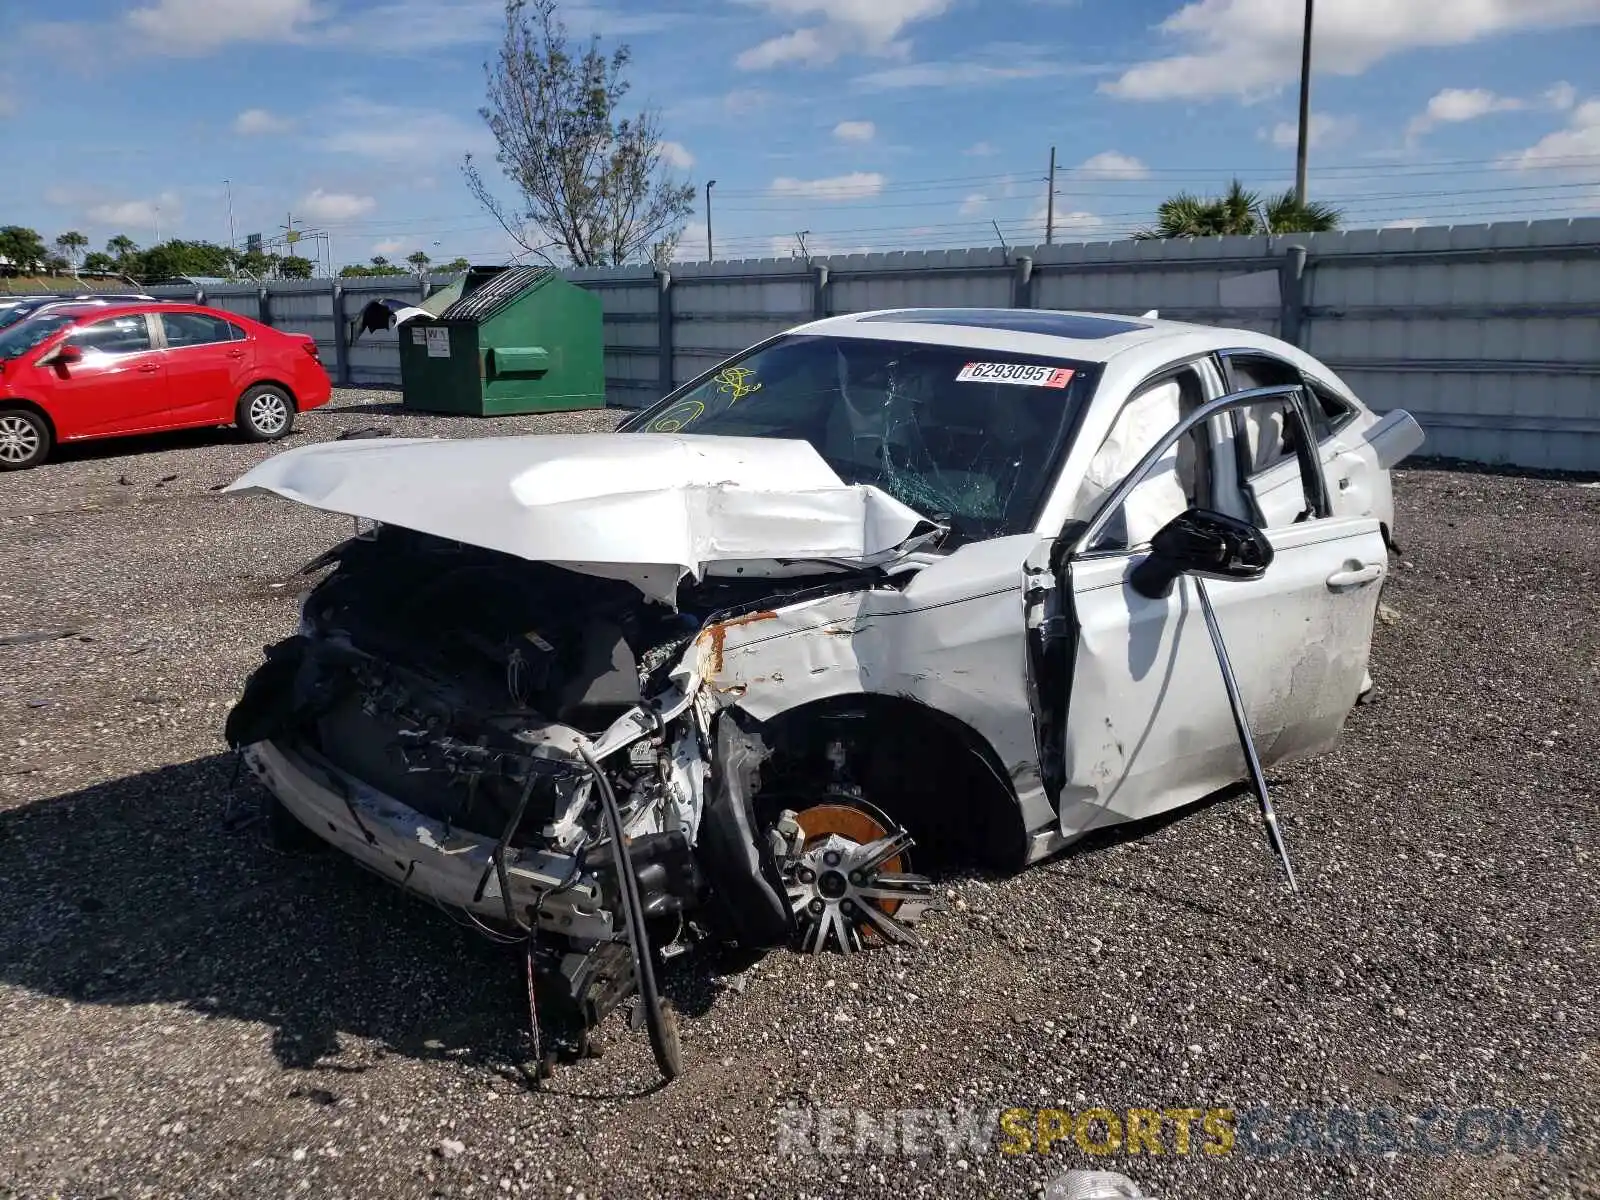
1284, 214
1238, 211
70, 243
122, 248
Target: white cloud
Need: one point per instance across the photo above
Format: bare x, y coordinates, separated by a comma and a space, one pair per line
165, 211
389, 133
1247, 48
1455, 105
980, 150
855, 131
858, 185
820, 245
1579, 140
197, 27
676, 155
1078, 222
844, 27
334, 206
1110, 164
1405, 223
387, 248
1323, 129
254, 121
1075, 221
1561, 96
974, 205
985, 70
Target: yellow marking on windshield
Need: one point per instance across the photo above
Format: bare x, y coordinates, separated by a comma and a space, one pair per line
737, 382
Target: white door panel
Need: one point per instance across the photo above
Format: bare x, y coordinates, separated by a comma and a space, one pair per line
1148, 723
1394, 437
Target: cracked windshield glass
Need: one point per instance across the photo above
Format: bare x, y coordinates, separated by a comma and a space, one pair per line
966, 437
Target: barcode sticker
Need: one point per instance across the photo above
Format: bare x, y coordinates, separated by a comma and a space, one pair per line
1021, 374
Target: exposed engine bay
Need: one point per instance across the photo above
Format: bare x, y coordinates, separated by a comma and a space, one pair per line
487, 731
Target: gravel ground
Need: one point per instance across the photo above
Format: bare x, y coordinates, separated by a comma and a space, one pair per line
184, 1011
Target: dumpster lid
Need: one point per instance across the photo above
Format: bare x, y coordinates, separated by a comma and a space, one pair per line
495, 293
648, 508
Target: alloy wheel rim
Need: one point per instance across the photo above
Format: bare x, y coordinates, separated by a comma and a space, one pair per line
19, 440
268, 413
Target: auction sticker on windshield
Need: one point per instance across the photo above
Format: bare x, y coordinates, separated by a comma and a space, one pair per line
1022, 374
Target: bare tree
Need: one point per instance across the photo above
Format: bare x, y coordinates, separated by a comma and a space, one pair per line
592, 183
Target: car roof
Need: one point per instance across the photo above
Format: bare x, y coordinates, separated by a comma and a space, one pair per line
1085, 336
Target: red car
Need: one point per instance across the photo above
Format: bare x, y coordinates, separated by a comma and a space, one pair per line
92, 371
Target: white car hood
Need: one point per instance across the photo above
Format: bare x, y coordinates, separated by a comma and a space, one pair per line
648, 508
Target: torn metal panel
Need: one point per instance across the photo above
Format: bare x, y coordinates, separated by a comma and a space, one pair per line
647, 510
951, 638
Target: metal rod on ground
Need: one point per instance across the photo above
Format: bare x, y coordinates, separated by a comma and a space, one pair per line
1242, 724
1305, 111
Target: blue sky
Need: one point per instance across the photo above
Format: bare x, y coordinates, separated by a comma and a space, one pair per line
871, 123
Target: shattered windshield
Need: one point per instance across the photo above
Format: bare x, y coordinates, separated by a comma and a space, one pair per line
967, 437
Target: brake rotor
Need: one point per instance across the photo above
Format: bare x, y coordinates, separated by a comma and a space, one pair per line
850, 885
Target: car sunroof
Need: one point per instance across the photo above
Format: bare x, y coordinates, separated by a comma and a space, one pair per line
1014, 320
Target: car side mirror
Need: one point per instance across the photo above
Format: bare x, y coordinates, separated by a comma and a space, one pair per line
67, 355
1201, 542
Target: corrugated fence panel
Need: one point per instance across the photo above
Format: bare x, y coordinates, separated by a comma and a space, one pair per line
1489, 334
909, 279
628, 304
374, 358
306, 306
719, 309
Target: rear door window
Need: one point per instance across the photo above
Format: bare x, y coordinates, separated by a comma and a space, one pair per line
197, 329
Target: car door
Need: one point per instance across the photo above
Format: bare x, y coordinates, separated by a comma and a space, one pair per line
1147, 725
117, 386
1356, 447
208, 361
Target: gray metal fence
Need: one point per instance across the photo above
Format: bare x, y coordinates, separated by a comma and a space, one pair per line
1489, 334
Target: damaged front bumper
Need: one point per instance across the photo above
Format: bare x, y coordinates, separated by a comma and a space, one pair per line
553, 759
451, 867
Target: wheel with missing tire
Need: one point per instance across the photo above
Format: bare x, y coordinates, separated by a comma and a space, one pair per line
24, 439
266, 413
851, 886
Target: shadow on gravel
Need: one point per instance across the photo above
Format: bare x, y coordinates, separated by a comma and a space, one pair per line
134, 892
146, 443
383, 408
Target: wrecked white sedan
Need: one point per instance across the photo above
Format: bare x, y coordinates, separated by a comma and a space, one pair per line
930, 576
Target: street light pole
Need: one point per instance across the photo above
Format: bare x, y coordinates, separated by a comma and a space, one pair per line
1305, 111
711, 183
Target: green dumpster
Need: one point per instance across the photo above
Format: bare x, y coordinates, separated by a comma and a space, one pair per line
516, 340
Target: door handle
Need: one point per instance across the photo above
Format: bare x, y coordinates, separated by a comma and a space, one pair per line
1355, 577
149, 368
235, 353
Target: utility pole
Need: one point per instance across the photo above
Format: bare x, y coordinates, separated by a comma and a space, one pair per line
710, 255
229, 186
158, 224
1305, 111
1050, 199
800, 237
